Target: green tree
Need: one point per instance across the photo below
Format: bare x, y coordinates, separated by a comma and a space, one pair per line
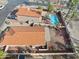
2, 54
39, 7
50, 7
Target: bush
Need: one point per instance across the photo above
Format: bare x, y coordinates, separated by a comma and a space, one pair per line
2, 54
50, 7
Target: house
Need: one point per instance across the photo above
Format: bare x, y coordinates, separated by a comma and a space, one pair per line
22, 35
26, 13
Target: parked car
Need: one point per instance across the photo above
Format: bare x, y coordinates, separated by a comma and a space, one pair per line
1, 6
12, 17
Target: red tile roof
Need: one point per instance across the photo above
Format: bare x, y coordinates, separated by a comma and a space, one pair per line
24, 36
24, 11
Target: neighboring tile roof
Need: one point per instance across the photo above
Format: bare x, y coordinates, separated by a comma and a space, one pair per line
24, 11
24, 36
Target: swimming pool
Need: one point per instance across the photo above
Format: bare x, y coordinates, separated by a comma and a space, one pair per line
54, 19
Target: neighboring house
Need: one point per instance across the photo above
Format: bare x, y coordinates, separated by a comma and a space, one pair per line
39, 1
32, 0
25, 13
59, 4
64, 2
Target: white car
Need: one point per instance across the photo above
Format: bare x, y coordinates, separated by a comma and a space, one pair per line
1, 6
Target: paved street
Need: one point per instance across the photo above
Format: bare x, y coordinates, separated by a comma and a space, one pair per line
8, 8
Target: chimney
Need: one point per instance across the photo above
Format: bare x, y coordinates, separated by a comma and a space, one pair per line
28, 8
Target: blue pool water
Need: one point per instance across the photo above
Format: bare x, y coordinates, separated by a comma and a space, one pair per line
54, 19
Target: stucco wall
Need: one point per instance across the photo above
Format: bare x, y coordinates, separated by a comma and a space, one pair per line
30, 19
